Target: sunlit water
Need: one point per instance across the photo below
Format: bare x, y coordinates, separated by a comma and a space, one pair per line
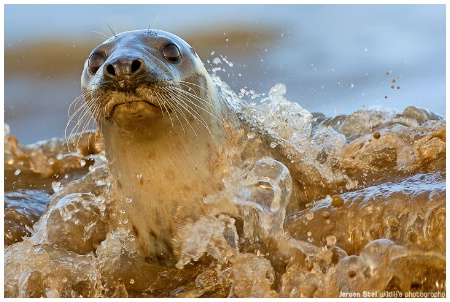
370, 217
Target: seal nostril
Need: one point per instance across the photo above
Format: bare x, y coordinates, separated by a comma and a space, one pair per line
110, 69
135, 66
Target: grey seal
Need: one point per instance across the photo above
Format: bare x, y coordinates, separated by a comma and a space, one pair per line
163, 125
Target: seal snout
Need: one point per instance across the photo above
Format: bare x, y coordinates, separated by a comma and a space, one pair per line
124, 68
124, 72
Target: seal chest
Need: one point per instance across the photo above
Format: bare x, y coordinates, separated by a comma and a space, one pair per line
162, 124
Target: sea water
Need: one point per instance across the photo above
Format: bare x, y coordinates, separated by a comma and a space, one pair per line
369, 220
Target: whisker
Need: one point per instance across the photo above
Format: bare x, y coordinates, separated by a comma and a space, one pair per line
75, 127
194, 93
86, 125
83, 107
74, 103
187, 97
178, 110
113, 32
101, 34
186, 103
204, 106
100, 117
83, 115
187, 84
162, 104
181, 102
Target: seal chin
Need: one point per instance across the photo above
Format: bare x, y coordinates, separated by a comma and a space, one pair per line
136, 109
133, 105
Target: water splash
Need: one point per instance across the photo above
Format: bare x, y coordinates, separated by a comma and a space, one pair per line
263, 198
368, 216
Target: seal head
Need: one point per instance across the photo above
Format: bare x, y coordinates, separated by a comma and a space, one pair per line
145, 69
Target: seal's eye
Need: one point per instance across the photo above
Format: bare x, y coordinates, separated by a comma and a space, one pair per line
95, 61
171, 53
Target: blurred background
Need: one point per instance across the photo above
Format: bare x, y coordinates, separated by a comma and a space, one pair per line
334, 59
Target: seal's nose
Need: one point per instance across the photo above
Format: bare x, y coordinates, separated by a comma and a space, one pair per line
124, 72
123, 68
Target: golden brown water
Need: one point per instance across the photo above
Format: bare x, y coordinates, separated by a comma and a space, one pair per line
372, 223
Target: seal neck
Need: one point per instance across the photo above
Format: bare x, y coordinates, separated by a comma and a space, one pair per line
165, 178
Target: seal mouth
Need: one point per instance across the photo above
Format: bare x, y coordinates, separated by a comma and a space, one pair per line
130, 103
131, 106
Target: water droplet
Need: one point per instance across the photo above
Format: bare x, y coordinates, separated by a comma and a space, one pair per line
100, 182
337, 201
82, 163
214, 70
309, 215
17, 172
278, 90
139, 176
56, 186
326, 214
331, 240
51, 293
